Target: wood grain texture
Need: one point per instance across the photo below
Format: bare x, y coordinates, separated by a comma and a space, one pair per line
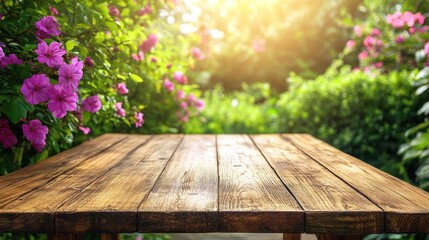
291, 236
184, 199
110, 203
406, 207
339, 237
330, 204
251, 196
44, 200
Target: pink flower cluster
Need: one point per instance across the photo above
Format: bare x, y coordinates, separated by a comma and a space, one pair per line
146, 10
414, 21
149, 43
9, 60
47, 26
138, 57
180, 77
185, 103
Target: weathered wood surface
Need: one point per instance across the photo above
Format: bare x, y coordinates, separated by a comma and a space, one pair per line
287, 183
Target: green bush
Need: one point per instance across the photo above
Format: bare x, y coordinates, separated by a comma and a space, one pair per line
363, 115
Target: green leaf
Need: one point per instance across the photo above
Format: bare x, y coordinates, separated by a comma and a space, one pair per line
422, 89
424, 109
136, 78
69, 45
16, 109
423, 73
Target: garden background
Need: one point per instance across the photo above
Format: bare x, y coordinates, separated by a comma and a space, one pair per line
352, 73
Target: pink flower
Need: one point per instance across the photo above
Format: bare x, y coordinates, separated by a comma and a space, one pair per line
423, 29
1, 53
47, 27
70, 75
408, 18
88, 62
180, 94
183, 105
150, 43
419, 18
91, 104
36, 89
153, 59
53, 10
119, 110
200, 105
9, 60
375, 32
357, 30
138, 57
180, 77
148, 9
363, 55
183, 116
399, 39
350, 44
378, 64
85, 130
395, 20
35, 132
122, 88
369, 42
412, 30
52, 55
197, 54
192, 98
7, 138
114, 11
139, 119
61, 101
427, 48
168, 85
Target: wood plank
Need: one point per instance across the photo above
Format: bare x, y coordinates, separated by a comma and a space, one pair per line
339, 237
331, 206
251, 196
406, 207
110, 203
41, 202
184, 199
291, 236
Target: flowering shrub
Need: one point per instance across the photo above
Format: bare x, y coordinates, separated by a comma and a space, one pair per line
71, 69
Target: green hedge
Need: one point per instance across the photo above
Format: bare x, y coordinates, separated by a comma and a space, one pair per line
362, 114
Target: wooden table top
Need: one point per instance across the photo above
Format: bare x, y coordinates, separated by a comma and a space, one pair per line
288, 183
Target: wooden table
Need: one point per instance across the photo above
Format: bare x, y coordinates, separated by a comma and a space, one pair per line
290, 183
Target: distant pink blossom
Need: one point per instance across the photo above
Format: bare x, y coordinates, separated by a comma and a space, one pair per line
7, 138
139, 119
168, 66
399, 39
197, 53
375, 32
52, 55
426, 48
350, 44
153, 59
424, 29
192, 98
408, 18
35, 132
70, 75
36, 89
149, 43
38, 146
91, 104
180, 94
1, 53
146, 10
114, 11
119, 110
363, 55
53, 10
47, 27
183, 105
168, 85
183, 116
85, 130
122, 88
200, 104
138, 57
88, 62
419, 18
357, 30
180, 77
395, 20
9, 60
61, 101
378, 64
412, 30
